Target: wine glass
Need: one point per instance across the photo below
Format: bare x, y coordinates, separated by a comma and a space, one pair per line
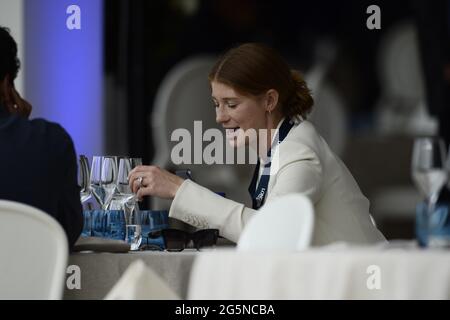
83, 179
125, 166
125, 200
428, 171
108, 179
96, 180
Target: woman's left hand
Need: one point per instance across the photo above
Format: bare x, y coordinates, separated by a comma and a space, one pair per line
154, 181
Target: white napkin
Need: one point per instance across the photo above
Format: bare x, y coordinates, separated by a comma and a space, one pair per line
139, 282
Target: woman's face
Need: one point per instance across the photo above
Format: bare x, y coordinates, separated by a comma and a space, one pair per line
237, 113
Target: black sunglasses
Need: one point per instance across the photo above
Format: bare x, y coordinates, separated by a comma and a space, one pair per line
178, 240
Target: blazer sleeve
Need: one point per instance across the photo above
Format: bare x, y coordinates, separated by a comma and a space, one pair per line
205, 209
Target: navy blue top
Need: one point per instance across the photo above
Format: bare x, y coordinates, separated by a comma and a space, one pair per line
38, 167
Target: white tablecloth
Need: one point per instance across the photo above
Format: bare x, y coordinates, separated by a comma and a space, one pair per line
323, 273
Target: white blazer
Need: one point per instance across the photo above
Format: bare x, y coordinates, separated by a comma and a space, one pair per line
303, 163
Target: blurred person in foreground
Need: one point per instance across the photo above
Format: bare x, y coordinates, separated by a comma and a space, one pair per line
253, 89
38, 164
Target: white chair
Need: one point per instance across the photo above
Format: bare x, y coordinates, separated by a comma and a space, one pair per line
34, 253
285, 223
329, 114
402, 107
329, 117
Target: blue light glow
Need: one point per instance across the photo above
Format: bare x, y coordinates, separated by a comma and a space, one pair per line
64, 69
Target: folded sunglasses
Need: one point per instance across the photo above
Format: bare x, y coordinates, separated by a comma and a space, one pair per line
178, 240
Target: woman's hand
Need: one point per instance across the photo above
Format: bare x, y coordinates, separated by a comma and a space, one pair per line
154, 181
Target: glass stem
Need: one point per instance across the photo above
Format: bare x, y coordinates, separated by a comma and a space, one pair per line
430, 208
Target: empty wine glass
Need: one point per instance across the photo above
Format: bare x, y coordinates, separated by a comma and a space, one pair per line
125, 166
108, 179
84, 179
125, 200
96, 180
428, 172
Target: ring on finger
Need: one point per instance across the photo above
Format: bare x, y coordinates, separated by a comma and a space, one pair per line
140, 181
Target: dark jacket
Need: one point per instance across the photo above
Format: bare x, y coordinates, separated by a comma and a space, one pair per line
38, 167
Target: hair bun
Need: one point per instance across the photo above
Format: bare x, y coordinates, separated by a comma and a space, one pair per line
301, 101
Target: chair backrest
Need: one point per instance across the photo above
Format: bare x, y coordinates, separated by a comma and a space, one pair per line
285, 223
34, 253
398, 63
402, 107
329, 113
329, 117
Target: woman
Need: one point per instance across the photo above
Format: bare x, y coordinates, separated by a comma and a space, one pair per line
254, 89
